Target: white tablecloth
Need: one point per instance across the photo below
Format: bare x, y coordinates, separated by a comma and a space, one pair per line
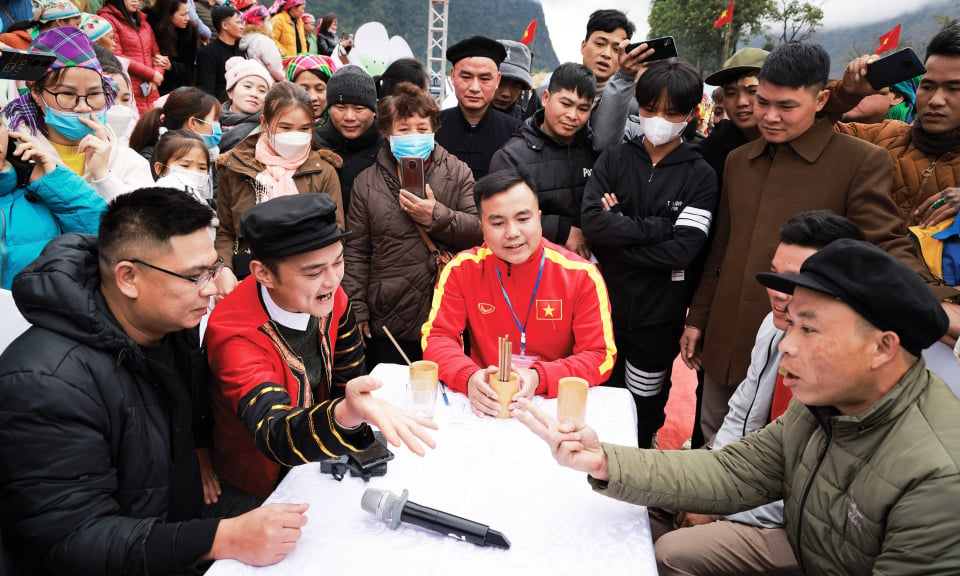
492, 471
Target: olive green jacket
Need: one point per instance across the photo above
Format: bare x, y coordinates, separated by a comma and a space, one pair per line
877, 493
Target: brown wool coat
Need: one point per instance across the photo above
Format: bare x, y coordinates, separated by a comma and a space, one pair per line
819, 170
237, 172
390, 274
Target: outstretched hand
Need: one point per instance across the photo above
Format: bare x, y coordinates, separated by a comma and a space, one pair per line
573, 443
396, 424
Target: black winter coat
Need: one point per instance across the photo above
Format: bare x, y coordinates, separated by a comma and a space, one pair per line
559, 173
97, 457
358, 154
648, 244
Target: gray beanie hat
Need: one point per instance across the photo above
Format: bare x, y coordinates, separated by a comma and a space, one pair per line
517, 65
352, 85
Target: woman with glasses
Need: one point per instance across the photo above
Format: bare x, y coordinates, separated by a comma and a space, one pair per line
65, 112
280, 160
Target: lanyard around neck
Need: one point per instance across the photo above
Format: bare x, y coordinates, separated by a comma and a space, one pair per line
533, 298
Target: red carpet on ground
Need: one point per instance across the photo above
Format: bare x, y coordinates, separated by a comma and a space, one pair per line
681, 408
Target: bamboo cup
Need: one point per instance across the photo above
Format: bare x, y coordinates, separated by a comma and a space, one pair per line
505, 391
572, 398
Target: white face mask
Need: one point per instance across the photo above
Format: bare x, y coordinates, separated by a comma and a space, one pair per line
119, 118
291, 145
658, 130
198, 182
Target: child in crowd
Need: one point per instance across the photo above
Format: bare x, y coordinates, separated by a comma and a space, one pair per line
247, 85
185, 108
181, 160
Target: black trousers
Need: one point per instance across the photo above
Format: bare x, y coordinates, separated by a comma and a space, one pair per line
644, 366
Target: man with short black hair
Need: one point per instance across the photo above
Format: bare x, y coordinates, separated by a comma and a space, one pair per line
473, 130
104, 404
554, 148
647, 213
800, 163
551, 304
212, 58
864, 458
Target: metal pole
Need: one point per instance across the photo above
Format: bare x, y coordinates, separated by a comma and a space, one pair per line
437, 48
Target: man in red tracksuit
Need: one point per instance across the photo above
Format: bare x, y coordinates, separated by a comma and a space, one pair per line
552, 304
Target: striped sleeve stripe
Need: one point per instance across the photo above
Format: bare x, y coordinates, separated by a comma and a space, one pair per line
695, 218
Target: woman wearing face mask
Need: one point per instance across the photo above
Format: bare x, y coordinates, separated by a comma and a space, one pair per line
179, 42
123, 115
389, 271
38, 203
647, 211
135, 40
247, 85
185, 108
257, 44
312, 73
66, 111
276, 162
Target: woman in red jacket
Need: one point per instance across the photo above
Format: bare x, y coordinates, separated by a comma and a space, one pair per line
136, 42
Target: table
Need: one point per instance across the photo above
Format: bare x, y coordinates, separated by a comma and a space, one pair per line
492, 471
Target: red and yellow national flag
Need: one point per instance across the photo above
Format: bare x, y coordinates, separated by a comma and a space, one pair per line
726, 16
549, 309
529, 33
889, 40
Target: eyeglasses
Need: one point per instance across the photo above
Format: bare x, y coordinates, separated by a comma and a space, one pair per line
70, 100
199, 281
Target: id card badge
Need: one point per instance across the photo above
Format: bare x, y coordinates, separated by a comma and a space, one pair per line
522, 360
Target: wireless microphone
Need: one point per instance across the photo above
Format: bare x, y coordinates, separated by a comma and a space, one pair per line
386, 506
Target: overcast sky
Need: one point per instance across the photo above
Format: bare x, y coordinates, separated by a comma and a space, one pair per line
567, 19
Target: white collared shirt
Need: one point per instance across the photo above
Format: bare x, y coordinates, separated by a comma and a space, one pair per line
292, 320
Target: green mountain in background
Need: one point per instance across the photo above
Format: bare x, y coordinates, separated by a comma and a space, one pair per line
505, 19
845, 44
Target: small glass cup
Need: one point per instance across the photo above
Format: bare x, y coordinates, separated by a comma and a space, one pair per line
421, 397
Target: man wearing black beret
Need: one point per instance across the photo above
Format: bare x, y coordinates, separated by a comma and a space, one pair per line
473, 130
286, 358
864, 458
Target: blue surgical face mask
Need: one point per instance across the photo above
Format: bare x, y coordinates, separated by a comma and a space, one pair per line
412, 146
212, 140
68, 123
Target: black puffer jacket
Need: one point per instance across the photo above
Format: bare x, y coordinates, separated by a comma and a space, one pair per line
559, 173
97, 460
358, 154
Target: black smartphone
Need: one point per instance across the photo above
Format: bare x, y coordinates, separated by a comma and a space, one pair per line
893, 68
411, 176
663, 48
23, 65
23, 169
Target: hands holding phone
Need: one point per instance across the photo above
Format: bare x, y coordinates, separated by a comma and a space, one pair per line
420, 210
26, 149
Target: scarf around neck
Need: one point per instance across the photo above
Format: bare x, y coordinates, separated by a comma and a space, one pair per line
935, 145
276, 179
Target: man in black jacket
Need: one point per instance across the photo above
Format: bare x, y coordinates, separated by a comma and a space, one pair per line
647, 211
103, 403
212, 58
554, 149
351, 131
473, 130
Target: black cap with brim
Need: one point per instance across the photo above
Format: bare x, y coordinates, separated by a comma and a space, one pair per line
884, 291
480, 46
291, 225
